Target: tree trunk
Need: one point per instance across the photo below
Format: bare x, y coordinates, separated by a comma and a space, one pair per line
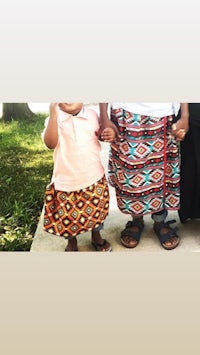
17, 111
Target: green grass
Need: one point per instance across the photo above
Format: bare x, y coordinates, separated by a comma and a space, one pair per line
25, 170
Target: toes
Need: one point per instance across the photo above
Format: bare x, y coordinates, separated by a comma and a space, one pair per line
130, 241
171, 242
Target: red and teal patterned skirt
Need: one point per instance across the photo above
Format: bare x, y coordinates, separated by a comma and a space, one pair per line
144, 164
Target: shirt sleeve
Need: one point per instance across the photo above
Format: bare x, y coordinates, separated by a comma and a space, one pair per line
176, 108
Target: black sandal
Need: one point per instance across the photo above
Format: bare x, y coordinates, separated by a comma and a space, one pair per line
105, 246
132, 235
71, 250
164, 237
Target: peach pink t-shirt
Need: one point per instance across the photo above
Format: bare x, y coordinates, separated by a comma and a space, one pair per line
76, 157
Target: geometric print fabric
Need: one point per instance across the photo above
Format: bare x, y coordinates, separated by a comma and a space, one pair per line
144, 163
68, 214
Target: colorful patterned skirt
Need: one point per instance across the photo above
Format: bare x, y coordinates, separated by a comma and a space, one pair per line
144, 164
68, 214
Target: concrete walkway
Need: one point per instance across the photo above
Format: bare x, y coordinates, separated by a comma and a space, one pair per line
189, 232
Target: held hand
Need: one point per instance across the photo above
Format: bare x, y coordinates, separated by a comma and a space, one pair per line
108, 134
179, 135
180, 128
106, 123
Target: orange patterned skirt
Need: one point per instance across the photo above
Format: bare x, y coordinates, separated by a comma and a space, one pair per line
68, 214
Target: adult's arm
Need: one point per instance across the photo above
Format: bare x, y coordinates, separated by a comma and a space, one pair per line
180, 128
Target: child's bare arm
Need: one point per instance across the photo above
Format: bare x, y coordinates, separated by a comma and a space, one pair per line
51, 132
104, 119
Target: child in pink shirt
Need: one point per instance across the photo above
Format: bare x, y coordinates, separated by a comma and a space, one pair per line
77, 199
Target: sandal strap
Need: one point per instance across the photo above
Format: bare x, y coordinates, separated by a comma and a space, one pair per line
99, 246
135, 223
165, 236
128, 232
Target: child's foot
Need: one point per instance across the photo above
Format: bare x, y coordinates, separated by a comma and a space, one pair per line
130, 236
99, 243
166, 234
72, 245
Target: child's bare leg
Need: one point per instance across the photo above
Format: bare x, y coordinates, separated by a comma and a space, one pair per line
98, 242
72, 245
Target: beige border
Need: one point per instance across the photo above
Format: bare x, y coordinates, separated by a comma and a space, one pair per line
92, 303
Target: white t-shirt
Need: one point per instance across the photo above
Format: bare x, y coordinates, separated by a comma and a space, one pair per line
149, 109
